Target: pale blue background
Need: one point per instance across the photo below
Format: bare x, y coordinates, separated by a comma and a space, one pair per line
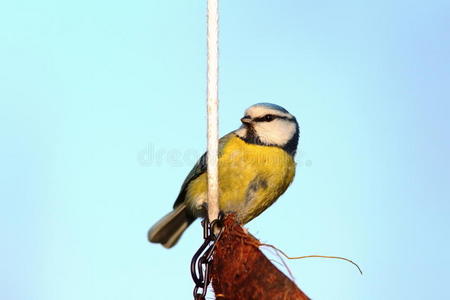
102, 115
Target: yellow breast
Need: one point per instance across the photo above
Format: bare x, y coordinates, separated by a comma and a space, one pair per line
251, 178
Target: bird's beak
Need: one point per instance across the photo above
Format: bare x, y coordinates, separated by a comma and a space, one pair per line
246, 120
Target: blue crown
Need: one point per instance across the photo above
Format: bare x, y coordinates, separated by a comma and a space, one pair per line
272, 106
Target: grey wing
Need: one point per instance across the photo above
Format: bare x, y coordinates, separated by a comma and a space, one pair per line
198, 169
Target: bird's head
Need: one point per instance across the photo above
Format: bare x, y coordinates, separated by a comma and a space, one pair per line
271, 125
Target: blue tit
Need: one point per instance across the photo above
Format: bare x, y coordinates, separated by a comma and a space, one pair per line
256, 166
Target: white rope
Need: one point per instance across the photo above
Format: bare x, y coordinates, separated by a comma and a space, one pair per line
212, 105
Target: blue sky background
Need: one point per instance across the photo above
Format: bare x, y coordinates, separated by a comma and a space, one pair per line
102, 115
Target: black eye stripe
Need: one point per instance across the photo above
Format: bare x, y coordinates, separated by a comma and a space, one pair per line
269, 118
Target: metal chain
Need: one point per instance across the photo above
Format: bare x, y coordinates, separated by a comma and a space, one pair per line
201, 262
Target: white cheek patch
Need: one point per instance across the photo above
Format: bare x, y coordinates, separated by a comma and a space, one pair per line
278, 132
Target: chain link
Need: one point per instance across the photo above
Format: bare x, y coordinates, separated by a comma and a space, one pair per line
201, 262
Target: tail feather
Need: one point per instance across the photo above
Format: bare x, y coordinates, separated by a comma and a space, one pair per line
170, 228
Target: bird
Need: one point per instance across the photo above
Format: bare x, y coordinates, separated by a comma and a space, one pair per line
256, 165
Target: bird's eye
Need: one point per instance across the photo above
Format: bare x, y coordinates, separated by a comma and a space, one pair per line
268, 118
